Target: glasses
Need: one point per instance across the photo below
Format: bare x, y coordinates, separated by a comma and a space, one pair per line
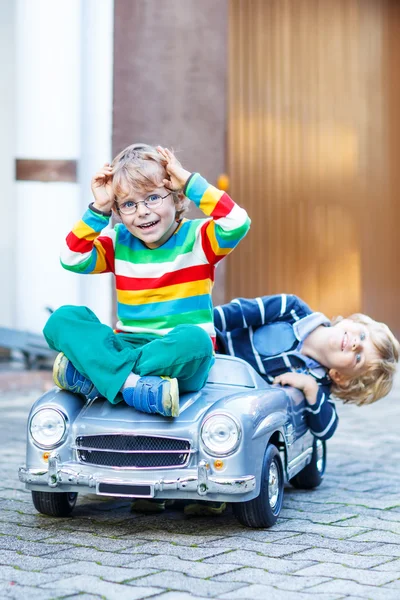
153, 201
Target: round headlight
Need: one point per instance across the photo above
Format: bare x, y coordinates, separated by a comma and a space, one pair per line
220, 433
47, 427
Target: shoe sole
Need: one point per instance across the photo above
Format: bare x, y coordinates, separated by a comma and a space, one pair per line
148, 507
196, 510
170, 400
57, 369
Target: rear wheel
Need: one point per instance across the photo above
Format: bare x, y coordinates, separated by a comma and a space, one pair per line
311, 476
264, 510
54, 504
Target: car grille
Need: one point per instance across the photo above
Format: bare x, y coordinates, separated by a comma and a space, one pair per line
132, 451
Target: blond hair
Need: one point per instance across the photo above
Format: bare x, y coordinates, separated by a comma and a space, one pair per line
141, 169
376, 380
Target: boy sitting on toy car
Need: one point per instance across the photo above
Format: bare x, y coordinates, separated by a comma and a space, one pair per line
289, 344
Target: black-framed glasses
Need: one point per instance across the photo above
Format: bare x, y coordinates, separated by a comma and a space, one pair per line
153, 201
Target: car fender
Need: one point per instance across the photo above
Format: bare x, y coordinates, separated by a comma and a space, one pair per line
260, 413
70, 405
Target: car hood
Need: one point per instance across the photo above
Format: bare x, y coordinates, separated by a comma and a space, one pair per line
192, 407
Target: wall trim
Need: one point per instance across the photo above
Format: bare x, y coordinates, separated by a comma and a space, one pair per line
46, 170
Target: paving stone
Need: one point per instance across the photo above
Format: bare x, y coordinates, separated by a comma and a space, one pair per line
305, 506
393, 585
376, 523
111, 559
41, 548
83, 596
347, 587
362, 576
31, 534
169, 580
20, 518
348, 546
194, 569
252, 559
11, 591
262, 592
262, 535
24, 506
260, 576
350, 560
377, 535
276, 549
14, 492
176, 538
23, 577
117, 574
326, 517
179, 596
391, 565
95, 585
31, 563
330, 531
98, 542
168, 549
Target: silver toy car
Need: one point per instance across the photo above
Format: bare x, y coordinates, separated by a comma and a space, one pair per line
237, 440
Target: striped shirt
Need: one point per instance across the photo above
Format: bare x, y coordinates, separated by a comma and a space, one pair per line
268, 332
158, 289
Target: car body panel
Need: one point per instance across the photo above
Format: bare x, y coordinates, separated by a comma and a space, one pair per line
233, 388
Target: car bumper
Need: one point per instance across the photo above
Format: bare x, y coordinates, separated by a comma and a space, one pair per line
123, 485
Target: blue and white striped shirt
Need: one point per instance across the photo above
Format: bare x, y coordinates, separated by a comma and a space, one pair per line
268, 332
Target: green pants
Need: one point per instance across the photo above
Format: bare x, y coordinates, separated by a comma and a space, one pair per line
107, 358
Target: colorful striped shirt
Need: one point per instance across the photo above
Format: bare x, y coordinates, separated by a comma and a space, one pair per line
158, 289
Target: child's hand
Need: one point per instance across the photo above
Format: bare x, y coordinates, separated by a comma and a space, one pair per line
102, 189
178, 176
301, 381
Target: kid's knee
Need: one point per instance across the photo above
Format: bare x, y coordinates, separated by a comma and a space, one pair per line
198, 340
63, 316
57, 317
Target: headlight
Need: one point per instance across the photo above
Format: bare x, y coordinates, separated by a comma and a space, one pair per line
220, 433
47, 427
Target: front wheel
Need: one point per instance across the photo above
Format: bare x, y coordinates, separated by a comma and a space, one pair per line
264, 510
54, 504
311, 476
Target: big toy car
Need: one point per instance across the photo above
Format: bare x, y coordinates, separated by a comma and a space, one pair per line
237, 440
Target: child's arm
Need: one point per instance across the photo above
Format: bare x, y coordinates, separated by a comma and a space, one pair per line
322, 419
85, 251
244, 312
229, 222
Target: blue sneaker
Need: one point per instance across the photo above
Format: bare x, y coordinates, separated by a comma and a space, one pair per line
66, 377
154, 395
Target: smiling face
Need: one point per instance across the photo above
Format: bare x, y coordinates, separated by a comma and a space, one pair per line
138, 177
350, 349
153, 225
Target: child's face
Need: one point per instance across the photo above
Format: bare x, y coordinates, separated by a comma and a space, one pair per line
350, 349
153, 225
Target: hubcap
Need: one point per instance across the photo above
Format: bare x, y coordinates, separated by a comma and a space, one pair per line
320, 456
273, 485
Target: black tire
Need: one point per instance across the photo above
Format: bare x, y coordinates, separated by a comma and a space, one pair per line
54, 504
264, 510
311, 476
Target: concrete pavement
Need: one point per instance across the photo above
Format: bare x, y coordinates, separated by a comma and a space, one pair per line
339, 541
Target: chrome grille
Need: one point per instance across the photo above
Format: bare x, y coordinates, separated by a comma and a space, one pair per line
132, 451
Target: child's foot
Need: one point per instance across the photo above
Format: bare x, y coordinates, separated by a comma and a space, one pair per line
204, 509
154, 395
66, 377
144, 506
